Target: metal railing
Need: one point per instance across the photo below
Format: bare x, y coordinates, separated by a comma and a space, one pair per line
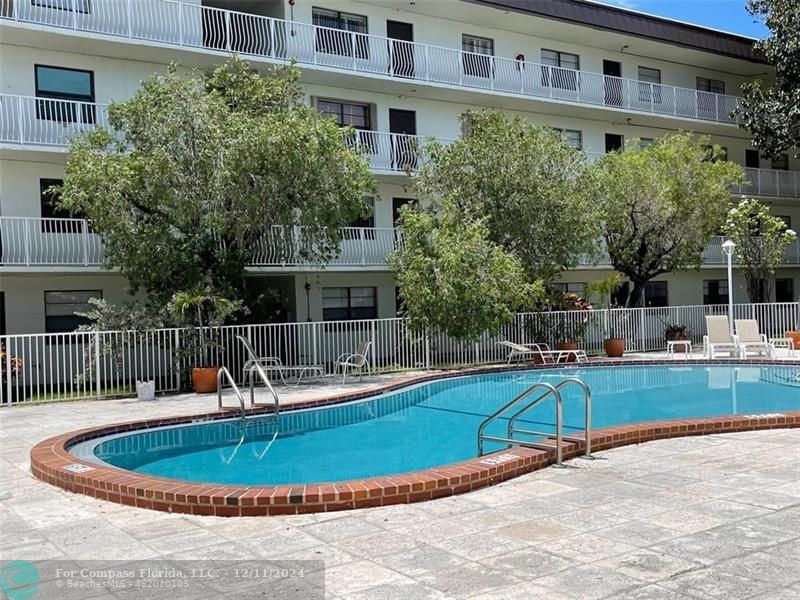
35, 241
770, 182
276, 40
42, 121
67, 366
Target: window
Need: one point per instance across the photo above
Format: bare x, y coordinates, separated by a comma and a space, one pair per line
650, 86
577, 288
48, 199
715, 291
781, 163
60, 308
367, 219
655, 293
722, 154
74, 85
573, 137
784, 289
348, 304
346, 113
477, 55
81, 6
613, 142
752, 160
559, 69
340, 33
645, 143
787, 220
714, 86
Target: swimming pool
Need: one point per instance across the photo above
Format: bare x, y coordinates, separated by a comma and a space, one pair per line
432, 424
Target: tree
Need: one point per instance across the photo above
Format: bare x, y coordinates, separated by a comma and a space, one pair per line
196, 170
771, 109
526, 180
453, 278
661, 204
761, 240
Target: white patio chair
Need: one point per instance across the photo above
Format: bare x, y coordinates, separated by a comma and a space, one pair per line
517, 351
356, 360
751, 339
718, 337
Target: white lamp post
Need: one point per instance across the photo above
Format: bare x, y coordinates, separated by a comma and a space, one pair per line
728, 247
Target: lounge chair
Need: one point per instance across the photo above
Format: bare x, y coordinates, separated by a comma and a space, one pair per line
750, 339
542, 350
718, 337
268, 363
356, 360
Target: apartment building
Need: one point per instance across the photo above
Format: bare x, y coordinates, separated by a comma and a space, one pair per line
398, 71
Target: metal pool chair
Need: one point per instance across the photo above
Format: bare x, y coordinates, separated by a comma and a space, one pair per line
356, 360
269, 363
543, 350
718, 337
751, 339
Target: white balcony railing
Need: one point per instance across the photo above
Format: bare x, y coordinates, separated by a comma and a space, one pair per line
204, 27
28, 241
33, 241
770, 182
42, 121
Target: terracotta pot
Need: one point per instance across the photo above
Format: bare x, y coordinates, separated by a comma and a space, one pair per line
204, 379
795, 337
615, 347
567, 346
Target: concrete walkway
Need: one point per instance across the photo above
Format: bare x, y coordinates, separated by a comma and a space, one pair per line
695, 518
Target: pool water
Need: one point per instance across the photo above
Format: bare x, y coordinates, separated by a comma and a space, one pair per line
436, 423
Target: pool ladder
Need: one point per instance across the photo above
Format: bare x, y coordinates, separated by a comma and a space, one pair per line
523, 403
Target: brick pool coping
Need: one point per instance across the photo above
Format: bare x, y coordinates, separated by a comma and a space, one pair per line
52, 462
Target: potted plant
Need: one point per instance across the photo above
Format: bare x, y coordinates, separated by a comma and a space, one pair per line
572, 327
613, 344
677, 332
202, 307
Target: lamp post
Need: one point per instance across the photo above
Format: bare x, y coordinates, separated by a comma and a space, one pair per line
728, 247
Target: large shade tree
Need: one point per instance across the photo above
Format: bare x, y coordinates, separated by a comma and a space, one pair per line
197, 173
661, 204
770, 109
526, 180
453, 278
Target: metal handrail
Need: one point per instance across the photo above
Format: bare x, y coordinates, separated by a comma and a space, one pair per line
223, 371
587, 393
251, 366
551, 391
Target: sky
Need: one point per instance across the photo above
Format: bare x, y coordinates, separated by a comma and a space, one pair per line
728, 15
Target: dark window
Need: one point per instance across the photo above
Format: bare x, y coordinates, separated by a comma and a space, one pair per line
73, 85
367, 219
577, 288
573, 137
655, 293
349, 303
714, 86
752, 160
560, 69
715, 291
81, 6
614, 141
48, 198
343, 33
346, 113
722, 155
60, 308
787, 220
781, 163
477, 56
650, 86
784, 289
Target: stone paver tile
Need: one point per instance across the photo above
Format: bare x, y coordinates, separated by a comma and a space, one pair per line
589, 582
420, 560
651, 592
704, 547
275, 544
399, 515
666, 480
684, 521
529, 563
765, 499
338, 529
751, 534
786, 593
647, 565
376, 544
587, 547
786, 520
534, 508
728, 511
435, 530
790, 549
38, 551
361, 575
490, 518
714, 583
638, 533
481, 545
330, 555
773, 568
527, 590
467, 579
536, 530
94, 539
183, 541
543, 488
225, 551
411, 590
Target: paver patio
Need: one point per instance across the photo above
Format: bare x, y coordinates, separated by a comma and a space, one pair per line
695, 518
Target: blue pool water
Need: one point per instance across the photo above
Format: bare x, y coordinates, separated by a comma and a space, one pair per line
434, 424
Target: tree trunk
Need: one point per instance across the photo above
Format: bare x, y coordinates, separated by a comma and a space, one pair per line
636, 294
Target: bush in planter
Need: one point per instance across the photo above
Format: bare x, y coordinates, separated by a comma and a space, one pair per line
677, 332
202, 307
604, 288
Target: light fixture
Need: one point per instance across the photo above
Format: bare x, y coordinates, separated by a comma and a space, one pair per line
727, 247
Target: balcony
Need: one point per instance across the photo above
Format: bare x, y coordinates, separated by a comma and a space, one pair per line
32, 121
37, 242
262, 38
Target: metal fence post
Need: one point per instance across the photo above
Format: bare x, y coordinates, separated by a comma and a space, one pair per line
314, 344
7, 399
97, 362
642, 337
176, 340
427, 351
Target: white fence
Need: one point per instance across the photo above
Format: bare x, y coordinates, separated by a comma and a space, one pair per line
196, 26
95, 365
42, 121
